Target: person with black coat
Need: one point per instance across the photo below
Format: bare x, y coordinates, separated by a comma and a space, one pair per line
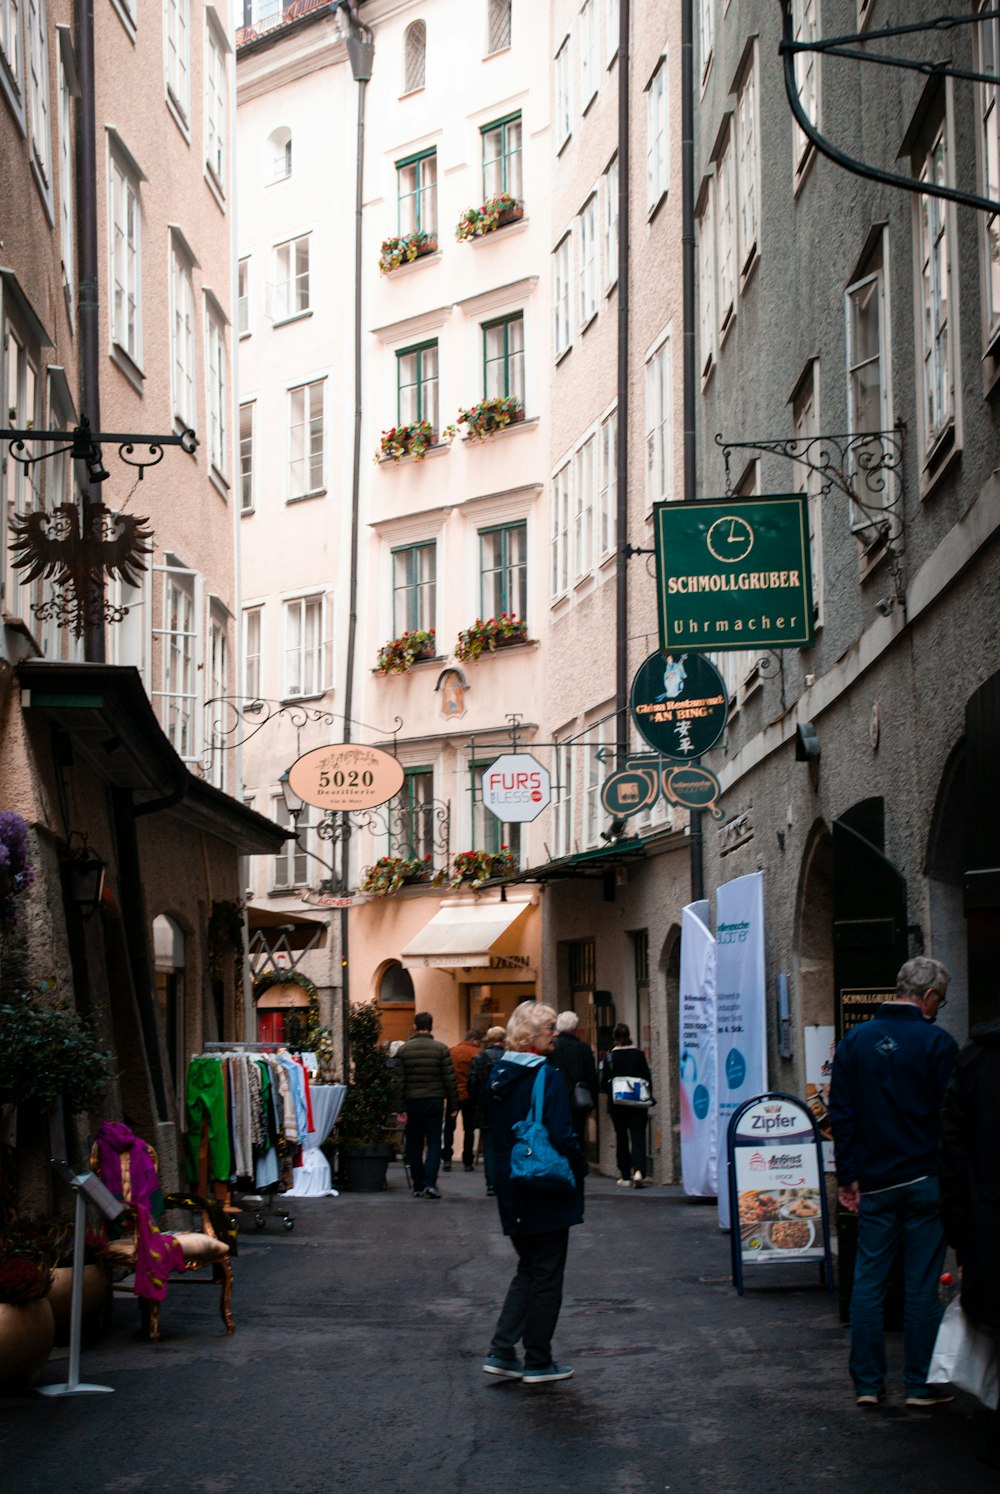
575, 1061
625, 1061
479, 1095
538, 1220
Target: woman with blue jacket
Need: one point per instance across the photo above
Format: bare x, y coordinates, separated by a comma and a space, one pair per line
538, 1220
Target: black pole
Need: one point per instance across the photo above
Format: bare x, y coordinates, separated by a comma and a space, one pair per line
88, 302
622, 414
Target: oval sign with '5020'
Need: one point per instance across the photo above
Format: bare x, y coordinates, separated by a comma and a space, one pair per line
346, 776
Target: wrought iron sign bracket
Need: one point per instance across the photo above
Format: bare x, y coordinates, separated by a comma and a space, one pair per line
238, 720
84, 445
867, 467
856, 47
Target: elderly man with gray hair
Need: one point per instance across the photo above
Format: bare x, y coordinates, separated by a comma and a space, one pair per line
574, 1059
889, 1080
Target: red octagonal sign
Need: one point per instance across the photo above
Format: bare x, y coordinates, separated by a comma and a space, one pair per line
516, 788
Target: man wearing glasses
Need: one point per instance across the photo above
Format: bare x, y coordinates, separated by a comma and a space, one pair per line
889, 1080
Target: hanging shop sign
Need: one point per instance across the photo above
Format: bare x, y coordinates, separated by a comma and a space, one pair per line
858, 1004
346, 776
734, 573
638, 785
776, 1191
516, 788
679, 704
693, 786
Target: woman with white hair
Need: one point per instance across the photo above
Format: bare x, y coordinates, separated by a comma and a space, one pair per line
538, 1220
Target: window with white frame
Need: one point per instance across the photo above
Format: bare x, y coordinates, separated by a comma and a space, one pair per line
562, 262
503, 570
67, 187
725, 232
936, 290
705, 230
11, 56
706, 35
805, 30
503, 358
216, 103
988, 56
564, 94
659, 454
607, 508
411, 827
612, 28
657, 137
253, 652
562, 799
589, 65
502, 157
305, 646
416, 193
587, 219
21, 493
560, 531
177, 21
414, 588
305, 432
246, 457
39, 108
243, 297
599, 754
414, 56
217, 389
278, 155
125, 231
747, 165
498, 26
805, 428
609, 224
868, 397
291, 863
583, 507
417, 384
291, 278
177, 656
182, 345
218, 683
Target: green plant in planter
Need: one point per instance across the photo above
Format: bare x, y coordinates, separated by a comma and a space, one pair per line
486, 635
399, 441
368, 1109
475, 867
404, 246
399, 654
390, 872
49, 1053
490, 415
477, 221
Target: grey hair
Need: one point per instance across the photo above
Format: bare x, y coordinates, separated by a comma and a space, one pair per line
920, 975
567, 1022
526, 1022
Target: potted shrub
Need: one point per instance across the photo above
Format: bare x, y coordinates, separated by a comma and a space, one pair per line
96, 1315
489, 416
50, 1052
494, 633
400, 441
399, 654
27, 1327
494, 213
366, 1121
472, 868
390, 873
408, 247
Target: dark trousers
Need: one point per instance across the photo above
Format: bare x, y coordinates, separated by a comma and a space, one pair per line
629, 1122
466, 1110
423, 1132
531, 1308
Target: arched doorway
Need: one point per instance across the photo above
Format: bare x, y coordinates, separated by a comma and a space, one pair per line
396, 999
815, 932
283, 1013
169, 961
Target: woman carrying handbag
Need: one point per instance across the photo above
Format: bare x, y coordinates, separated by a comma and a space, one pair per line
628, 1084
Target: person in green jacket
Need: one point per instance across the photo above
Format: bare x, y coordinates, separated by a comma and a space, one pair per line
425, 1080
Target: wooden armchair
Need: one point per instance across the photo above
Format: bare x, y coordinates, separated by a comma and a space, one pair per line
201, 1250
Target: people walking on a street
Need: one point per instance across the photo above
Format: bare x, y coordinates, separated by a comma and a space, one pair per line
889, 1079
461, 1056
970, 1193
625, 1061
425, 1082
538, 1220
575, 1061
479, 1095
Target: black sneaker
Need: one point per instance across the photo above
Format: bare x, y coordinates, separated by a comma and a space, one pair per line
432, 1193
418, 1192
446, 1167
491, 1193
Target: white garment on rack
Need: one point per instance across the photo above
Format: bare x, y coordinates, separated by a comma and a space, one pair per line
312, 1179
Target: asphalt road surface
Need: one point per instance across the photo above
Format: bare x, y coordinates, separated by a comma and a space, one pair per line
356, 1366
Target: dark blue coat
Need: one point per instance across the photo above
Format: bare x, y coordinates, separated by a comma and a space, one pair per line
533, 1211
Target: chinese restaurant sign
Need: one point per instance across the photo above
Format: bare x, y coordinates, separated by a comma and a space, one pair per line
734, 573
679, 704
346, 776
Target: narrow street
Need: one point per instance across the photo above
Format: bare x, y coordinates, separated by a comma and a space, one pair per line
356, 1366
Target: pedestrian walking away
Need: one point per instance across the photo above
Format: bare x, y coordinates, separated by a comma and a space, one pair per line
462, 1056
889, 1081
479, 1094
625, 1061
970, 1194
575, 1061
537, 1219
424, 1082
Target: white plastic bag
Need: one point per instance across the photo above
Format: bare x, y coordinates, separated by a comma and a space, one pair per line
965, 1356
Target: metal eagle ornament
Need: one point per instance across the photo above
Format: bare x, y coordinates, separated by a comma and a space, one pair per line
75, 547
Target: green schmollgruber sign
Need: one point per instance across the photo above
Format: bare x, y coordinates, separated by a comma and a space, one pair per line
734, 573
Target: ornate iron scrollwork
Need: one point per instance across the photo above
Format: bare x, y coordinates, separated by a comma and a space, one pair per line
241, 717
75, 548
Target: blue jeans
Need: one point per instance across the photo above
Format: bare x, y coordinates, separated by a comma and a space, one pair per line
911, 1215
423, 1130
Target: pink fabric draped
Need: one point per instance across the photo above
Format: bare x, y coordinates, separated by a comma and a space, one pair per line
156, 1253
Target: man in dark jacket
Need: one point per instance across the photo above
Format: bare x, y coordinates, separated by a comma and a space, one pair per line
889, 1080
424, 1079
479, 1095
970, 1191
538, 1220
575, 1061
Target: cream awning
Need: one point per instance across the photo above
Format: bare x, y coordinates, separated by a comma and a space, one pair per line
469, 935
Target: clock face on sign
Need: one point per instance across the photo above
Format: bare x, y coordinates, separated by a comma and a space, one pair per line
730, 538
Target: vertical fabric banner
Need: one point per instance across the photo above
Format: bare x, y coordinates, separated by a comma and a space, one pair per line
740, 1004
698, 1060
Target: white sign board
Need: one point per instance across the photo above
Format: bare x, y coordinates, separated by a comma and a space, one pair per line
776, 1180
698, 1047
516, 788
739, 996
